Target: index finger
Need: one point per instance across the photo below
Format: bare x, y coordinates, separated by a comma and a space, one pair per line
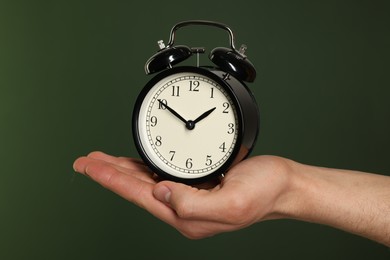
127, 185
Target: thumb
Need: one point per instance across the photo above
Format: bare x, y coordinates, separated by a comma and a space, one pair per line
183, 199
192, 203
163, 191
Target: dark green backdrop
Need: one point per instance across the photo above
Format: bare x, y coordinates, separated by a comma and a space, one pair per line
69, 75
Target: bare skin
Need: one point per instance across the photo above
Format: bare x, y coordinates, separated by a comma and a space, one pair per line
257, 189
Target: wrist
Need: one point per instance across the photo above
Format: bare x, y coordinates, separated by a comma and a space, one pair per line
302, 193
282, 187
289, 202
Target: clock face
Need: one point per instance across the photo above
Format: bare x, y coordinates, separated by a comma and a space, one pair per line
188, 125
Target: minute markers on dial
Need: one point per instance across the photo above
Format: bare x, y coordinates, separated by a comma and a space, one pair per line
175, 141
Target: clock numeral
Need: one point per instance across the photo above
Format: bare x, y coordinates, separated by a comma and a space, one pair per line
223, 147
153, 121
194, 84
231, 128
175, 91
226, 105
189, 163
212, 93
164, 102
158, 141
172, 154
208, 160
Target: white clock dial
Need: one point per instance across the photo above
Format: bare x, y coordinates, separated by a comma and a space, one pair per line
188, 125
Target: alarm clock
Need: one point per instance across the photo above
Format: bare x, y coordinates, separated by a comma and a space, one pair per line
192, 123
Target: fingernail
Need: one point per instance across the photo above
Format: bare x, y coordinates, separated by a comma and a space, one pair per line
74, 167
162, 193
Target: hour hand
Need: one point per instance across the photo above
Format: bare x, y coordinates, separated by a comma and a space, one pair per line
172, 111
191, 123
204, 115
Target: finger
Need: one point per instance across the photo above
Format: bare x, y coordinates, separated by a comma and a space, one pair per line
127, 186
82, 163
130, 188
127, 165
126, 162
140, 192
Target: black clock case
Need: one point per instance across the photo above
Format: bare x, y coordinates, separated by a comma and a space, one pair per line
247, 112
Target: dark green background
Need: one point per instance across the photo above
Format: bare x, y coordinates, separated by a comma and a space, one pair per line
69, 75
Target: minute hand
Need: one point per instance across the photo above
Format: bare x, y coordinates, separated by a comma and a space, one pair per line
172, 111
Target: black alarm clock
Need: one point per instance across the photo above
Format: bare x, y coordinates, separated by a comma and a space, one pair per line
192, 123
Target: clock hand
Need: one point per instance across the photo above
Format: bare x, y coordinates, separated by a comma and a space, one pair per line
172, 111
191, 123
204, 115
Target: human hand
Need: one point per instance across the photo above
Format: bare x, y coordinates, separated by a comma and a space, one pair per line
250, 192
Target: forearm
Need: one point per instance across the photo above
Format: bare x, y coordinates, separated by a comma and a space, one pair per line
353, 201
